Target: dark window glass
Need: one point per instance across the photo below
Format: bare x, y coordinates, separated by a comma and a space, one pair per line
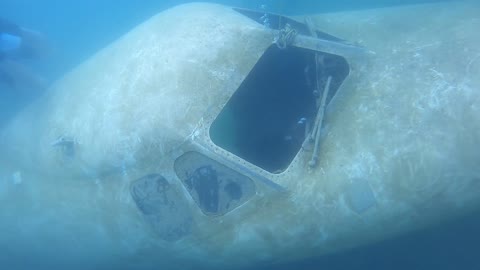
215, 188
265, 121
163, 207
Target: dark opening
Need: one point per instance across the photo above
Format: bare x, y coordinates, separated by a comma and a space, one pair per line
215, 188
162, 206
265, 120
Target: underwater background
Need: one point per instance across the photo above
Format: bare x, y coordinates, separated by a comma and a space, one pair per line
77, 29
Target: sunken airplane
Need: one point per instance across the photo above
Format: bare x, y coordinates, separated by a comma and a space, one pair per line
204, 139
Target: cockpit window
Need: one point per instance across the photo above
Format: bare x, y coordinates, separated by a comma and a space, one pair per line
215, 188
162, 206
266, 120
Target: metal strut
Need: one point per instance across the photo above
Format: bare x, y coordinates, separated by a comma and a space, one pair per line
318, 124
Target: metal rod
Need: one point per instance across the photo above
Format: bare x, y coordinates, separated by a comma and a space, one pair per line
318, 123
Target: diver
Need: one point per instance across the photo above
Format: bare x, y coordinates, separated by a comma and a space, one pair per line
18, 44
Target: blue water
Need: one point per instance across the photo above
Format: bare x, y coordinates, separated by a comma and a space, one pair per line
77, 29
450, 246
